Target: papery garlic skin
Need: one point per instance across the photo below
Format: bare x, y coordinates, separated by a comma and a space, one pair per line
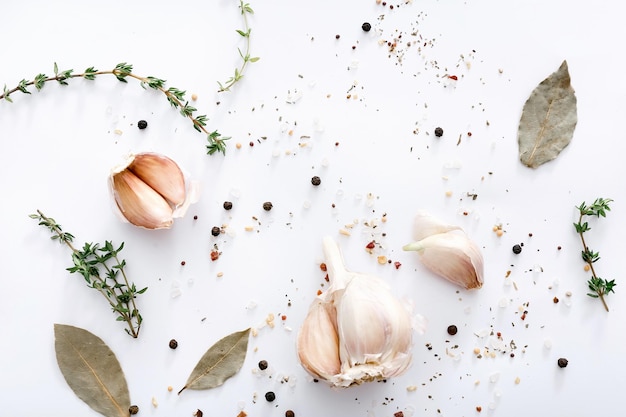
424, 225
450, 254
356, 331
375, 331
150, 190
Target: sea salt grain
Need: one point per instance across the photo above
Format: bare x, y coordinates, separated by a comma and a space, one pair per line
494, 377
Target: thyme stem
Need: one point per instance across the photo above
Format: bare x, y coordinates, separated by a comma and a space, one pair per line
599, 287
245, 56
122, 71
120, 296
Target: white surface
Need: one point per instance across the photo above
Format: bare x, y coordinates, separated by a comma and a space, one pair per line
58, 146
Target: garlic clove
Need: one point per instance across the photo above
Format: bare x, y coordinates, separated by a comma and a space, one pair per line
425, 225
318, 344
139, 203
162, 174
453, 256
375, 330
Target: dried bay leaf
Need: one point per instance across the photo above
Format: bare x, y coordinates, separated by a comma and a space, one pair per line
91, 370
548, 119
223, 360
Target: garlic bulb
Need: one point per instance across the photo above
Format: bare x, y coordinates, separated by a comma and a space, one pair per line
356, 331
150, 190
447, 251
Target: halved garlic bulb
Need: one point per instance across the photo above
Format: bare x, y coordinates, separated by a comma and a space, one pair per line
150, 190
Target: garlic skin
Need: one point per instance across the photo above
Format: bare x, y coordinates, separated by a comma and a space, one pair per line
150, 190
356, 331
447, 251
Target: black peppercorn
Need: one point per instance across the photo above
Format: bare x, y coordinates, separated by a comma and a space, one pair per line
263, 365
215, 231
142, 124
133, 409
173, 344
562, 362
517, 249
290, 413
228, 205
452, 330
366, 27
316, 180
438, 132
270, 396
267, 206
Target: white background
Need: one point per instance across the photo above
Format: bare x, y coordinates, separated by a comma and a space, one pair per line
59, 144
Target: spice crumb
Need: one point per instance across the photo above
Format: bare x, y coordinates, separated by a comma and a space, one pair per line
562, 362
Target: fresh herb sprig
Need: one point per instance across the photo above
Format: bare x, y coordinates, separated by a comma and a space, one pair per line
123, 71
103, 271
599, 287
246, 10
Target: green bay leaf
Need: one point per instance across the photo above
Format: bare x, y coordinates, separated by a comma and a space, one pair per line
548, 119
223, 360
92, 370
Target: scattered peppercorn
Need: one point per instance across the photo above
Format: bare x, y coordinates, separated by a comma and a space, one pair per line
270, 396
290, 413
337, 36
452, 330
316, 180
263, 365
228, 205
215, 231
142, 124
438, 132
366, 27
173, 344
398, 414
182, 263
267, 206
555, 300
517, 249
195, 217
133, 409
562, 362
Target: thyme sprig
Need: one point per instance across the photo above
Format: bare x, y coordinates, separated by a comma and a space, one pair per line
599, 287
246, 10
103, 271
123, 71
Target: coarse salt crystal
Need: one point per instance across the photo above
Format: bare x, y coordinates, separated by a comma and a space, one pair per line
493, 378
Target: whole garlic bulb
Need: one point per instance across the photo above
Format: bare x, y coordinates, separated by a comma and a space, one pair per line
150, 190
356, 331
447, 251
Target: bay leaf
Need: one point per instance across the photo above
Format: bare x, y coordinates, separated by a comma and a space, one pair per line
223, 360
91, 370
548, 119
